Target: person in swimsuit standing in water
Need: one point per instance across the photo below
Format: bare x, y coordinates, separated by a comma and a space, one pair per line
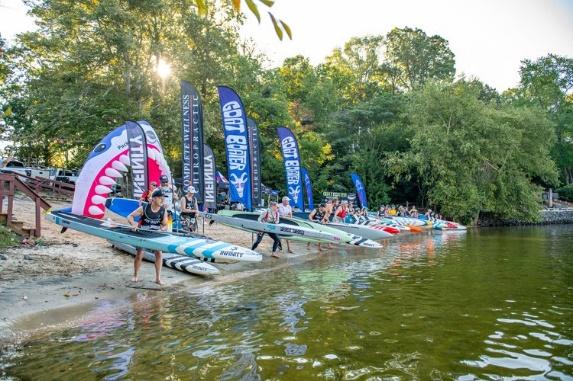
153, 216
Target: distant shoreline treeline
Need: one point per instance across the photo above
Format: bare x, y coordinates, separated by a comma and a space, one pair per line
387, 107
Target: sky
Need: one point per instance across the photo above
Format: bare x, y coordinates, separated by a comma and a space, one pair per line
489, 38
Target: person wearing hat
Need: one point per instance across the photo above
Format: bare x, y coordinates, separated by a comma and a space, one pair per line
153, 216
189, 209
285, 210
169, 193
270, 216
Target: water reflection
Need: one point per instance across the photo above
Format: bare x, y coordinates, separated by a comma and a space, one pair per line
485, 305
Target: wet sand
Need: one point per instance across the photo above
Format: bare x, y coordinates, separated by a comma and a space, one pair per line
65, 276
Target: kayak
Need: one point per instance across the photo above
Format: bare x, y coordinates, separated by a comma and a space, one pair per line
201, 247
342, 237
182, 263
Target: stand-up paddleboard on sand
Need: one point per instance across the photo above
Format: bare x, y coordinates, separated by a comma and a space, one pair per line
362, 230
304, 231
356, 229
175, 261
238, 218
202, 248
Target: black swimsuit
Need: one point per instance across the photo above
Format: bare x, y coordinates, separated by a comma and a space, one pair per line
187, 203
318, 216
150, 219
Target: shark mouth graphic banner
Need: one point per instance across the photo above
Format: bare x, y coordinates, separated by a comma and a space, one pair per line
110, 160
360, 190
308, 186
210, 200
192, 132
255, 161
236, 146
138, 158
291, 159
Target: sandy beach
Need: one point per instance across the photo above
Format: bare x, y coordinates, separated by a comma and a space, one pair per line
60, 277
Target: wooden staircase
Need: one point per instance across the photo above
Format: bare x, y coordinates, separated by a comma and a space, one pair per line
17, 226
9, 184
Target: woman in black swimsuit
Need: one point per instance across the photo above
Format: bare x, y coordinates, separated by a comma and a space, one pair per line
152, 217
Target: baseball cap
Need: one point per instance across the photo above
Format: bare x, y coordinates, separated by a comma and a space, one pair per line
164, 178
157, 193
191, 189
286, 198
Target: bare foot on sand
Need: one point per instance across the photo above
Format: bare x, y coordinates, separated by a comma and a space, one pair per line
158, 281
290, 251
275, 255
135, 279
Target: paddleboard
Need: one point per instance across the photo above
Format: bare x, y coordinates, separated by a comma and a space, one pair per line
200, 247
343, 237
318, 232
448, 225
175, 261
362, 230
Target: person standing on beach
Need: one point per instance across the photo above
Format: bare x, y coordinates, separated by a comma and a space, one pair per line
169, 197
271, 216
189, 209
285, 210
153, 216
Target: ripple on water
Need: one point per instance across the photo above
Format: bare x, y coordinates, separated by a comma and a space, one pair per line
370, 316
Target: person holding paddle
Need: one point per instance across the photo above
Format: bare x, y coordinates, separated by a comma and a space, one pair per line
153, 216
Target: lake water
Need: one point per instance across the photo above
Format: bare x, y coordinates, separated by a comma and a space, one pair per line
488, 304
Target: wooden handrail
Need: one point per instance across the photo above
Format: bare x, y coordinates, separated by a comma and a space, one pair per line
41, 183
15, 183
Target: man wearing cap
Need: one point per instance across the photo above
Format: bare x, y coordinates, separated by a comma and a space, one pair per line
152, 217
169, 197
189, 209
285, 210
270, 216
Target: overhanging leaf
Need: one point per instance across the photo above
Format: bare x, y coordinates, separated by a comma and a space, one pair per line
254, 9
287, 29
278, 30
268, 3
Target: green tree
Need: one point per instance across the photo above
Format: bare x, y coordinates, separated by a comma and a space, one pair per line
547, 83
412, 58
355, 69
473, 156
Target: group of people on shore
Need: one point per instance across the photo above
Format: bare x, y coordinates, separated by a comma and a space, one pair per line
159, 203
402, 211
